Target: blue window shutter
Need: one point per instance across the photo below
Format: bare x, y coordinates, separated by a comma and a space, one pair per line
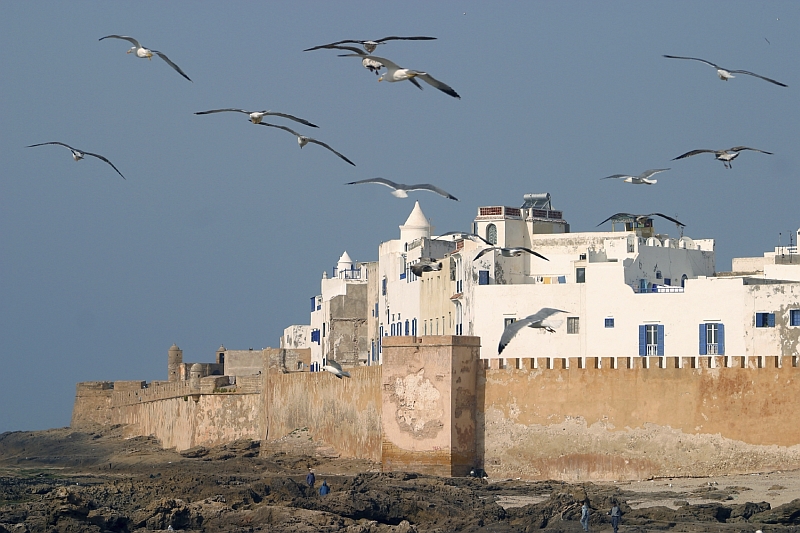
313, 302
407, 325
771, 320
483, 277
703, 343
642, 342
660, 349
721, 339
562, 279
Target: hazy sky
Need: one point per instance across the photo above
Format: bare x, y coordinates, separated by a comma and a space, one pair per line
222, 229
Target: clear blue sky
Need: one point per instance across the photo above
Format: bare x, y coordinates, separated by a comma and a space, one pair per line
222, 229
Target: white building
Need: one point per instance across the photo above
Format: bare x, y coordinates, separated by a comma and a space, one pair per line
625, 293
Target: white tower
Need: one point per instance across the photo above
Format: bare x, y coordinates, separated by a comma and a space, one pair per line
416, 226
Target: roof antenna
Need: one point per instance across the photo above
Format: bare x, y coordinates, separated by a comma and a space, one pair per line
780, 247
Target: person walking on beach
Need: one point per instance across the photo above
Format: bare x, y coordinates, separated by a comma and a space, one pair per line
615, 515
585, 515
311, 478
324, 488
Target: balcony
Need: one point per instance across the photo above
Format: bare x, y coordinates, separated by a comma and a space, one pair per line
348, 274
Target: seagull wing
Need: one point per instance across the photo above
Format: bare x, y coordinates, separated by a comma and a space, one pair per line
433, 188
540, 315
280, 128
537, 254
390, 65
509, 333
334, 364
393, 38
221, 111
647, 173
430, 80
353, 49
758, 76
616, 176
381, 181
292, 117
98, 156
615, 215
334, 45
55, 142
678, 222
695, 59
329, 148
695, 152
416, 83
131, 40
169, 62
740, 148
464, 235
485, 251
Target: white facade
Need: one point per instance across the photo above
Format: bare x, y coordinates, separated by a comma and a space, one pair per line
624, 293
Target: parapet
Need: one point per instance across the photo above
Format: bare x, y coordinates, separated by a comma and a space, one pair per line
623, 363
129, 385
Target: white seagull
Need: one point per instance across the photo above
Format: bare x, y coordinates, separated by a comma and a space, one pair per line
302, 140
726, 74
642, 178
536, 320
726, 156
335, 368
143, 52
619, 217
370, 46
366, 62
257, 116
77, 155
510, 252
463, 235
425, 265
396, 73
400, 190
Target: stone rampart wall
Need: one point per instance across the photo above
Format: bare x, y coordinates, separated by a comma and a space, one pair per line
92, 404
657, 416
344, 413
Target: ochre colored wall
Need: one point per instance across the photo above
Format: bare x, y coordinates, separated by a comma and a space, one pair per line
344, 413
633, 423
92, 404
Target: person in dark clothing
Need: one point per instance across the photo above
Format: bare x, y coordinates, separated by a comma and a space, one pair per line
324, 488
616, 514
585, 515
311, 478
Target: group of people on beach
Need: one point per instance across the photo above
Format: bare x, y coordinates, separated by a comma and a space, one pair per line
311, 479
615, 514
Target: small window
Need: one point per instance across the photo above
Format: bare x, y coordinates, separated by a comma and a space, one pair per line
794, 317
765, 320
508, 321
573, 325
580, 275
383, 287
658, 274
483, 277
609, 322
491, 233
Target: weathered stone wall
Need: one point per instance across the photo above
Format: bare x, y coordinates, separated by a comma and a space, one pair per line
429, 404
92, 404
344, 413
665, 416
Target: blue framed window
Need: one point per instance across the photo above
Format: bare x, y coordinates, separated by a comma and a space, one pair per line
315, 335
483, 277
651, 339
313, 303
712, 338
383, 286
794, 317
407, 327
765, 320
609, 322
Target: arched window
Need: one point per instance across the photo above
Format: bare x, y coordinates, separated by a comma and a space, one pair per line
491, 233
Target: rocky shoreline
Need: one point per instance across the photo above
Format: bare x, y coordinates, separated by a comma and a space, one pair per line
69, 481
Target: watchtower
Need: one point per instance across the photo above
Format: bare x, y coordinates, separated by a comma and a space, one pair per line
174, 362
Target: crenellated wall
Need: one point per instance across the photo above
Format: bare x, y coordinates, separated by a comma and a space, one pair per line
667, 416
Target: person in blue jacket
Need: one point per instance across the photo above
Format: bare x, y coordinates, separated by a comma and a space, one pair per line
311, 478
324, 488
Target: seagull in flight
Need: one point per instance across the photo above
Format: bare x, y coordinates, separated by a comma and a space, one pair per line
335, 368
726, 74
425, 265
539, 320
143, 52
369, 64
257, 116
463, 235
726, 156
370, 46
77, 155
510, 252
400, 190
396, 73
643, 178
640, 219
302, 140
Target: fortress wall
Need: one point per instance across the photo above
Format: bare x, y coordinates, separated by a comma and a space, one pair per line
200, 420
131, 395
666, 416
344, 413
92, 404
